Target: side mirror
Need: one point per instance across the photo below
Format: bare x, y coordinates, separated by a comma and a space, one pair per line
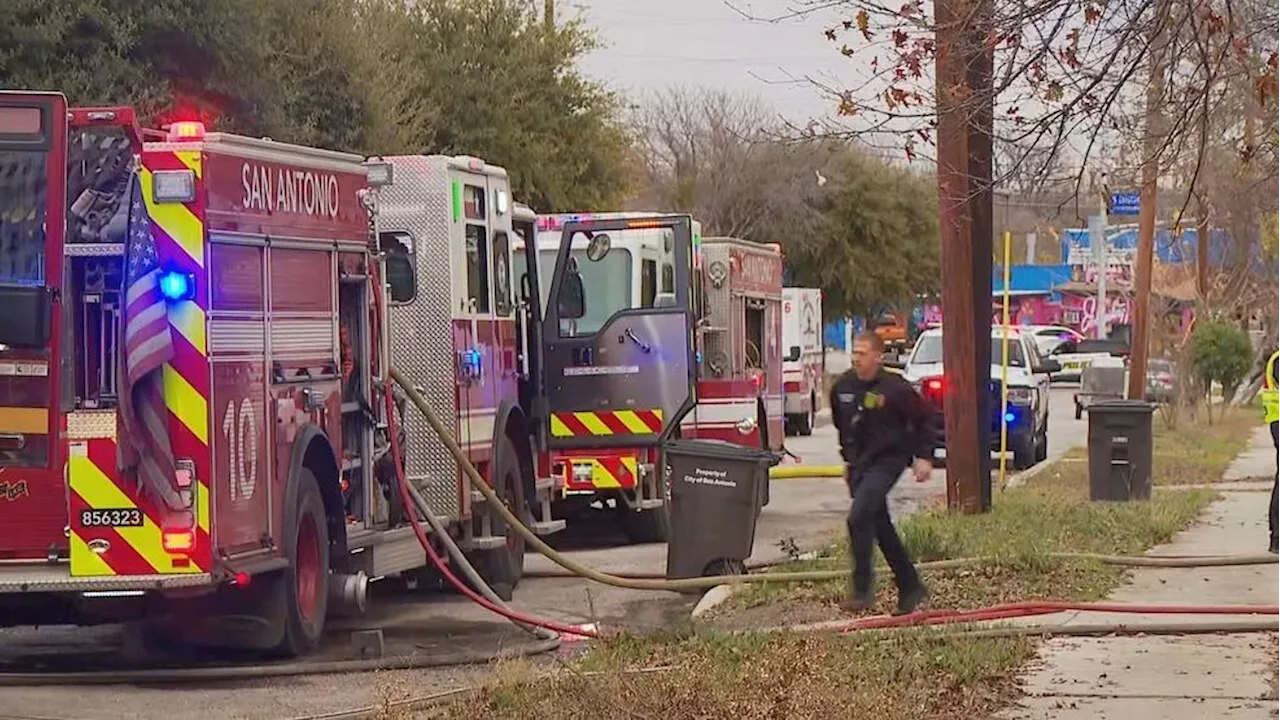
793, 354
1049, 366
571, 304
401, 280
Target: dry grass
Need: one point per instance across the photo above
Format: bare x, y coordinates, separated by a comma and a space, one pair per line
1052, 514
1200, 452
759, 676
912, 673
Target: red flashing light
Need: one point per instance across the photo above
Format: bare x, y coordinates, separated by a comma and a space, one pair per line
933, 386
186, 130
241, 579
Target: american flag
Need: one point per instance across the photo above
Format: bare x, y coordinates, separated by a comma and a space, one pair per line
148, 345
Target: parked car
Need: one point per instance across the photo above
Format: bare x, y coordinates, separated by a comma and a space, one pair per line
1027, 413
1049, 337
1076, 355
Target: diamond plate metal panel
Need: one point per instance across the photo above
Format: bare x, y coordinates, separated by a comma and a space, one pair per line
717, 348
91, 424
419, 203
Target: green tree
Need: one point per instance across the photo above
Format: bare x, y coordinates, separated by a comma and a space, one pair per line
1221, 353
323, 72
876, 245
504, 87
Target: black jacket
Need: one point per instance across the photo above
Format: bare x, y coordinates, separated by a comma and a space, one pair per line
881, 420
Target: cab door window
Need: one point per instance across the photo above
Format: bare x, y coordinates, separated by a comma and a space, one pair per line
648, 282
477, 249
501, 274
476, 239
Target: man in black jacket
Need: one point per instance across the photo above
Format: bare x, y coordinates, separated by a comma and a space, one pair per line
885, 426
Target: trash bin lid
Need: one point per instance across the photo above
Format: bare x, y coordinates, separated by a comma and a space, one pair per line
720, 450
1121, 406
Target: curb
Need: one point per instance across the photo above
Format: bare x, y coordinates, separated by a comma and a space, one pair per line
718, 594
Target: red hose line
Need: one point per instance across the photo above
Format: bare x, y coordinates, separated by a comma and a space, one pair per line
403, 483
1046, 607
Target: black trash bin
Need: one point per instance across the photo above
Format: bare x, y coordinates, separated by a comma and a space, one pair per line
1120, 450
716, 490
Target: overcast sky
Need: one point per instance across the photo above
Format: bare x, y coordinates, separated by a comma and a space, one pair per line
654, 44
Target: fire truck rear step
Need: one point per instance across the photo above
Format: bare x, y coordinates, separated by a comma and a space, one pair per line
57, 578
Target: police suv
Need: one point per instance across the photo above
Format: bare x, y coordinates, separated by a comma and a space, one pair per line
1027, 412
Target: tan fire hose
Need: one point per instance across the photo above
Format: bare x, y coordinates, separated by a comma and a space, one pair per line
704, 583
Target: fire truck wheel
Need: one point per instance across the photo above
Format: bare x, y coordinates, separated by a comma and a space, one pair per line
305, 581
804, 423
503, 567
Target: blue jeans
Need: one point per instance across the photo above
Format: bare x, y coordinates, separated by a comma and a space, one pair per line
869, 524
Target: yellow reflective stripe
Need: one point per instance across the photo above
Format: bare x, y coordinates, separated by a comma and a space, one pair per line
186, 404
187, 318
176, 220
96, 489
593, 423
601, 478
85, 562
559, 429
202, 507
191, 158
633, 422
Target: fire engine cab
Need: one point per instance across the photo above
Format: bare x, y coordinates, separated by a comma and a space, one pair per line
630, 268
193, 354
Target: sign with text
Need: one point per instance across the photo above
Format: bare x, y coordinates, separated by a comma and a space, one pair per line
1125, 203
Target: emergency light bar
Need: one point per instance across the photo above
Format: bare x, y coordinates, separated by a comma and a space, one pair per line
186, 130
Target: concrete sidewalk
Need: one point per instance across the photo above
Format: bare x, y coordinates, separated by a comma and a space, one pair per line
1191, 677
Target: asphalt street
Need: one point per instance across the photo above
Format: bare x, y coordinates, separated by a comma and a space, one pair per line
803, 513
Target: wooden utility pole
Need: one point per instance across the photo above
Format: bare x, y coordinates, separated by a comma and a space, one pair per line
1153, 141
965, 111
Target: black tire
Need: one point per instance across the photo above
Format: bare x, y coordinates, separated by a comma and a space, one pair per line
789, 425
1042, 446
1024, 451
502, 568
804, 423
645, 526
304, 585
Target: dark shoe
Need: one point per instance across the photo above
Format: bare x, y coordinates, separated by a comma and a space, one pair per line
858, 602
910, 600
1273, 547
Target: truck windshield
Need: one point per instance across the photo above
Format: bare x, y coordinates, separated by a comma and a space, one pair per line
929, 351
607, 283
22, 217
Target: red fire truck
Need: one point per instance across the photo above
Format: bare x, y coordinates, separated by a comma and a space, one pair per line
192, 362
734, 316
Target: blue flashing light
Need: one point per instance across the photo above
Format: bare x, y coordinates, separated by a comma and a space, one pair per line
1010, 417
177, 286
697, 357
471, 360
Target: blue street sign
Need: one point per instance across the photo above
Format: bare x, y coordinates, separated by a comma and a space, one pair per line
1125, 203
